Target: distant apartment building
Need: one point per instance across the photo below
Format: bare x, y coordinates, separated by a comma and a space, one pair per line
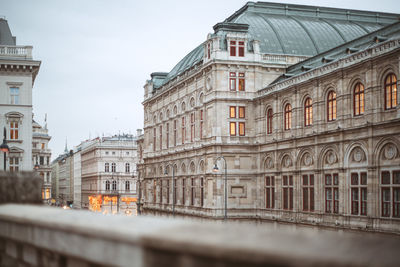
41, 155
98, 174
109, 178
18, 71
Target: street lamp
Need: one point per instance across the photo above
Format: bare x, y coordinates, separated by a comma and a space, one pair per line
4, 147
173, 188
216, 169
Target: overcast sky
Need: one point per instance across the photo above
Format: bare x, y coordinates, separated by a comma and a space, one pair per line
97, 55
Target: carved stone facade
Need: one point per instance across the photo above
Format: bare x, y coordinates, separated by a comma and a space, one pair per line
327, 165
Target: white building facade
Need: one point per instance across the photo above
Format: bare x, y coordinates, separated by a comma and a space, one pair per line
109, 175
18, 71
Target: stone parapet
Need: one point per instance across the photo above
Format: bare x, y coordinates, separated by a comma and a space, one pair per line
20, 187
47, 236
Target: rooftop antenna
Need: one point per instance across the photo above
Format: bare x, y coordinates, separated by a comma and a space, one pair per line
45, 121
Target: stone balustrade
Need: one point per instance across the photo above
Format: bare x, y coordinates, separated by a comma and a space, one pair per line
34, 235
16, 51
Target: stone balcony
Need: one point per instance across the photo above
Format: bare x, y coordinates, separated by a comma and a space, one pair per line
20, 52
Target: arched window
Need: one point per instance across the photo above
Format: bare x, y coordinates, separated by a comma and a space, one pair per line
331, 108
288, 117
269, 121
127, 186
390, 91
114, 185
106, 167
127, 167
113, 167
107, 185
308, 116
359, 100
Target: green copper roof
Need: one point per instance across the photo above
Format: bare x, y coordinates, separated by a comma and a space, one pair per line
306, 30
391, 31
291, 30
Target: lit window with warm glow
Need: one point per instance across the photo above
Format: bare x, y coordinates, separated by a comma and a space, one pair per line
390, 91
14, 130
288, 117
232, 112
359, 99
331, 108
308, 115
232, 128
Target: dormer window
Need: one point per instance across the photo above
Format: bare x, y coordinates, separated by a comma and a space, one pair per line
208, 50
239, 45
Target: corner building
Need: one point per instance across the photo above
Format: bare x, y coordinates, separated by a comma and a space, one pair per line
301, 102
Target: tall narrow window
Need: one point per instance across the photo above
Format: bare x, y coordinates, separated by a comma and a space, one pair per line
358, 193
359, 99
183, 130
332, 193
241, 49
269, 192
127, 167
288, 117
113, 167
242, 113
154, 191
242, 129
14, 130
183, 190
232, 81
241, 82
14, 164
390, 194
308, 192
308, 115
390, 91
175, 132
287, 185
127, 186
201, 192
175, 186
192, 127
201, 124
160, 137
232, 128
14, 94
208, 50
167, 133
331, 106
106, 167
161, 191
107, 185
232, 48
114, 185
154, 138
168, 191
192, 188
232, 112
269, 121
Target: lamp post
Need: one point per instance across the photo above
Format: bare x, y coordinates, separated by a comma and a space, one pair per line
173, 188
216, 169
4, 147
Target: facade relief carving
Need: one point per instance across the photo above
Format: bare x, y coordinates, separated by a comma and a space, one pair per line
390, 152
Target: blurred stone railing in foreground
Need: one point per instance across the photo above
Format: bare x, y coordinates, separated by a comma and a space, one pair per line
34, 235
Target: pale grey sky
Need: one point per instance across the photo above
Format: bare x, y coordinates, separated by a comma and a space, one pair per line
97, 55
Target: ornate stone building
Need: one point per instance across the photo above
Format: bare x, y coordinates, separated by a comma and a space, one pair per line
302, 104
41, 155
18, 71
